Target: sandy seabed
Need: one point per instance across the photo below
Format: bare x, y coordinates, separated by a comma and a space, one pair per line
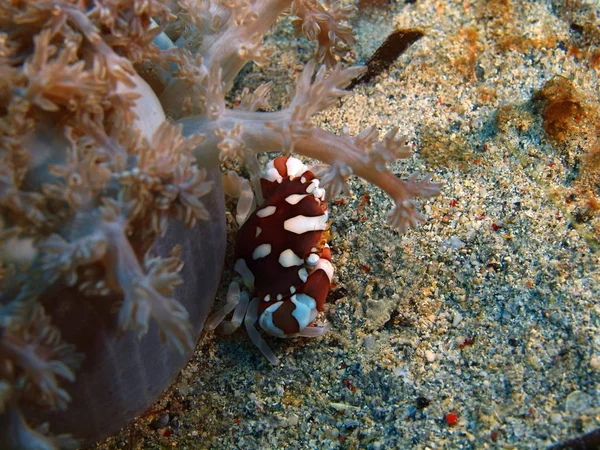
479, 329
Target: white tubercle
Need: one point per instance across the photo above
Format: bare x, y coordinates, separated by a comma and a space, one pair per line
295, 167
314, 184
294, 199
303, 224
312, 259
303, 274
266, 321
271, 173
261, 251
288, 258
266, 211
326, 266
305, 305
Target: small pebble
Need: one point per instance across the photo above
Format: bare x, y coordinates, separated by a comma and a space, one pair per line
341, 407
429, 356
457, 318
422, 402
577, 402
291, 421
332, 433
351, 424
455, 243
160, 422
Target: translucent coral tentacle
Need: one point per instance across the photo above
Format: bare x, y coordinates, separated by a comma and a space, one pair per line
141, 300
249, 322
16, 433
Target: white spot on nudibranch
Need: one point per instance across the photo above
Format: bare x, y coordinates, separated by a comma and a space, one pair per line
319, 193
295, 167
261, 251
271, 173
258, 231
306, 310
266, 321
303, 224
266, 211
288, 258
295, 198
303, 274
312, 259
326, 266
314, 183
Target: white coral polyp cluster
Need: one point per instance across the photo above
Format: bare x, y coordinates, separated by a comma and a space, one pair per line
91, 169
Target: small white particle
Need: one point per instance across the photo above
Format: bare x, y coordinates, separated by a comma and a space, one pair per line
267, 298
279, 296
457, 318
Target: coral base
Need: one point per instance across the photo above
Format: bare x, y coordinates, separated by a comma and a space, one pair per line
122, 376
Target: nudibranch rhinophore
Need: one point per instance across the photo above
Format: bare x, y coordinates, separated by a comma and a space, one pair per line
282, 256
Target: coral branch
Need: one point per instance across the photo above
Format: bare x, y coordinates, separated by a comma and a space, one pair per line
291, 130
15, 433
34, 358
166, 181
146, 292
320, 22
318, 91
62, 258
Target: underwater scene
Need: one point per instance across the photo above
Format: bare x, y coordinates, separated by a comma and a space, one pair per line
300, 224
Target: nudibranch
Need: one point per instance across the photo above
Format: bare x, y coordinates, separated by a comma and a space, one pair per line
282, 257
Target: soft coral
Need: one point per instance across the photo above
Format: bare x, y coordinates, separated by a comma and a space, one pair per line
91, 173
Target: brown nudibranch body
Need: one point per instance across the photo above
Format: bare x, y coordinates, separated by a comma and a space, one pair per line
282, 257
